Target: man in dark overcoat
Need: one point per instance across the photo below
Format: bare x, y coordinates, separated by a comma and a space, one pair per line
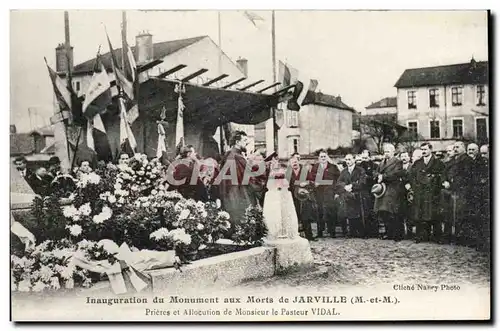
351, 188
321, 172
458, 179
482, 198
371, 220
387, 206
426, 179
236, 195
405, 209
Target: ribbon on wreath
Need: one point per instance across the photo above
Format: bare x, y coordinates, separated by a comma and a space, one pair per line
128, 270
24, 235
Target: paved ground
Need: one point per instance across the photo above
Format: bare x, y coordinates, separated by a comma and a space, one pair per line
373, 261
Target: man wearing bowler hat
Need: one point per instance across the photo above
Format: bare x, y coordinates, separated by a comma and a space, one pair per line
387, 206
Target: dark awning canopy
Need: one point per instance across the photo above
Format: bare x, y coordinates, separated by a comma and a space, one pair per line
208, 106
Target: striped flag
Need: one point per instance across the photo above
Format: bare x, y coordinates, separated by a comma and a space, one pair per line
63, 95
130, 69
98, 95
307, 95
179, 127
287, 75
121, 81
128, 144
97, 139
162, 147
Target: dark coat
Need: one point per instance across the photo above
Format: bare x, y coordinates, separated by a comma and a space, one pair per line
405, 204
324, 194
391, 170
459, 174
41, 185
306, 209
370, 167
426, 181
195, 191
236, 197
353, 204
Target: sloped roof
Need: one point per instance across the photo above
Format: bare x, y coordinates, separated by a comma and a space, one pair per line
21, 143
43, 132
327, 100
384, 103
49, 149
160, 50
464, 73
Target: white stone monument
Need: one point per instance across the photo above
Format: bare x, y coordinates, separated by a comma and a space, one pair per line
292, 251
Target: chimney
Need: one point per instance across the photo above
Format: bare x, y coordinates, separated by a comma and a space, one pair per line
144, 47
61, 60
243, 66
13, 129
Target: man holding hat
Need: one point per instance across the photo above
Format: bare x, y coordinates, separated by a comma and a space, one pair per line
425, 180
387, 202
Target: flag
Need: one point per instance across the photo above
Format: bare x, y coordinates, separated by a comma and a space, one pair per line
252, 17
287, 75
130, 67
98, 95
162, 147
307, 95
128, 144
63, 95
97, 139
121, 81
179, 126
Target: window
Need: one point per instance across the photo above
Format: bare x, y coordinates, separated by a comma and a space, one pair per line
481, 129
413, 128
293, 145
412, 100
458, 128
456, 96
481, 95
435, 130
434, 98
293, 119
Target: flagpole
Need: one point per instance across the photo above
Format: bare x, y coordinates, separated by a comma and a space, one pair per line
273, 41
124, 36
219, 68
67, 45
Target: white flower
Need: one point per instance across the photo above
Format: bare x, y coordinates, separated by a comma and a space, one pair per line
227, 224
54, 283
76, 218
70, 211
134, 188
125, 193
85, 209
67, 272
154, 192
121, 200
204, 214
137, 203
94, 178
75, 230
140, 173
159, 234
184, 214
39, 286
97, 219
200, 227
180, 235
118, 186
175, 223
45, 273
146, 204
120, 179
223, 214
112, 199
106, 213
103, 196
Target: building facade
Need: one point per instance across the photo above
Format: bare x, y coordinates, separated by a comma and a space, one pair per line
195, 53
445, 103
325, 122
387, 105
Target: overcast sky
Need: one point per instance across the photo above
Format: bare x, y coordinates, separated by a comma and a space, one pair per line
357, 55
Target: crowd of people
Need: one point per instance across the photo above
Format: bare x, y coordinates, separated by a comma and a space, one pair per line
423, 197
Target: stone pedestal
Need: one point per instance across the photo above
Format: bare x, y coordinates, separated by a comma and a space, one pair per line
293, 252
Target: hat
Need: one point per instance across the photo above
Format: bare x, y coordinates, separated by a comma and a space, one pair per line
54, 160
378, 190
271, 156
